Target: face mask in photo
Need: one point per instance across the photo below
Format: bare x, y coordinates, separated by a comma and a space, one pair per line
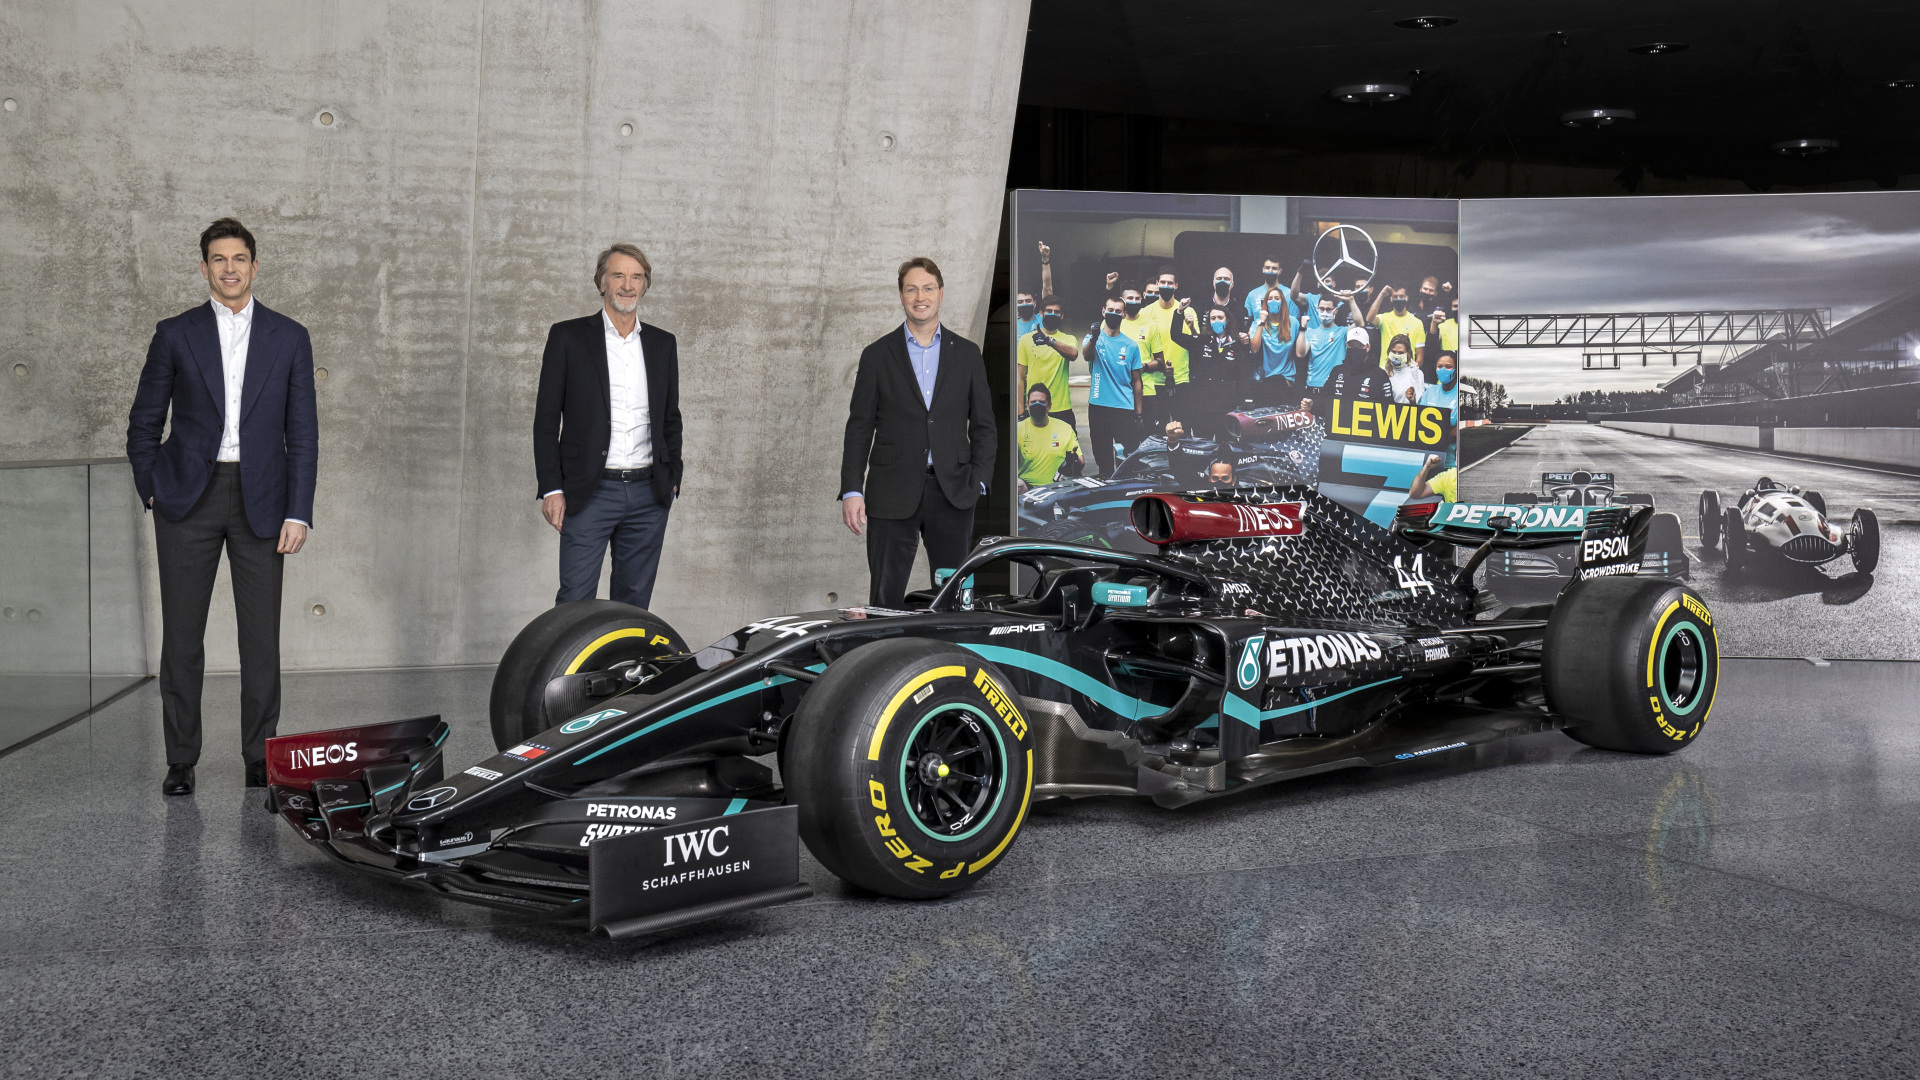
1113, 320
1132, 306
1273, 307
1219, 326
1038, 411
1398, 360
1051, 320
1026, 311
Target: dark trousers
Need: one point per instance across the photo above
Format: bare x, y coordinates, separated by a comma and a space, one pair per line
628, 515
891, 543
1107, 426
189, 556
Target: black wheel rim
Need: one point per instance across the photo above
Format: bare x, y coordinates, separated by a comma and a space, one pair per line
952, 771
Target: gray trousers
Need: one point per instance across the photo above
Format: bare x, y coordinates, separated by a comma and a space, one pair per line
627, 515
189, 555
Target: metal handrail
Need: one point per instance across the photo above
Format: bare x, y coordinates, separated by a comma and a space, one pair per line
57, 463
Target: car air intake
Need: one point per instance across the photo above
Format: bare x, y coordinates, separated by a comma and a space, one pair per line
1807, 549
1163, 518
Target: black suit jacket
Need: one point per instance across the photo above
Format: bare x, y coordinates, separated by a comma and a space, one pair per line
573, 387
279, 431
890, 428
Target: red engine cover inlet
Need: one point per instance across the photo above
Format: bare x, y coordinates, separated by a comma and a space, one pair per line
1164, 518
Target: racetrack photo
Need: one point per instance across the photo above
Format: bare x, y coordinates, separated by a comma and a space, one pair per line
1770, 607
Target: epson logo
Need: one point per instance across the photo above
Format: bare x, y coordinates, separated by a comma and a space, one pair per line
1602, 550
1299, 655
696, 845
313, 757
644, 812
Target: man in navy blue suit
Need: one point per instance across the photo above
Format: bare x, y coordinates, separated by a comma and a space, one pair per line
236, 473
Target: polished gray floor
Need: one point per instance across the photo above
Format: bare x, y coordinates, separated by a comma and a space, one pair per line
1747, 908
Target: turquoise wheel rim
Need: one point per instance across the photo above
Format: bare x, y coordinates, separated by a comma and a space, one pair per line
920, 800
1682, 668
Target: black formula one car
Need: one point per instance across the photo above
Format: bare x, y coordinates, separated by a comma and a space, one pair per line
1275, 634
1772, 522
1264, 446
1536, 575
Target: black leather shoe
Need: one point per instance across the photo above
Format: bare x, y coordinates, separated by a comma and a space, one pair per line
179, 780
256, 774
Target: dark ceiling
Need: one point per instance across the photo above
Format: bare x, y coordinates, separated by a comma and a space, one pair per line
1493, 85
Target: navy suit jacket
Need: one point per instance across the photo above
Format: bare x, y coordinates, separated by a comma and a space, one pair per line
279, 431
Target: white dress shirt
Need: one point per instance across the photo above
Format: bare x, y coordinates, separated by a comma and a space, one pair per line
631, 442
234, 327
235, 330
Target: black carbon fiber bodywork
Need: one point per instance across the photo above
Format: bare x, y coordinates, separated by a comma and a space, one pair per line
1231, 663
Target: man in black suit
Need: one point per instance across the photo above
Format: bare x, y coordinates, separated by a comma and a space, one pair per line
236, 472
606, 436
920, 441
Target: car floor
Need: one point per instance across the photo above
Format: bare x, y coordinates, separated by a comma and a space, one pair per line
1748, 907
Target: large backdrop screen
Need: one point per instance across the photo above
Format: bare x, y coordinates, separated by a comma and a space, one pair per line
1748, 365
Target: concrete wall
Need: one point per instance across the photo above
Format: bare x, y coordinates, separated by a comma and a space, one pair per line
451, 212
1877, 445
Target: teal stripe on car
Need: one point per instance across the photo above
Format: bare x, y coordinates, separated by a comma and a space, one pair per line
734, 807
751, 688
1073, 679
1242, 710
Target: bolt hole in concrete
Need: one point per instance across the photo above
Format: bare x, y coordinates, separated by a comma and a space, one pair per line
20, 371
326, 119
626, 130
33, 614
9, 104
833, 598
886, 141
320, 373
7, 613
319, 609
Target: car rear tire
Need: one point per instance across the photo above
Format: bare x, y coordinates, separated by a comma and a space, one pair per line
1632, 662
1734, 536
865, 753
1815, 500
585, 635
1710, 519
1519, 498
1863, 534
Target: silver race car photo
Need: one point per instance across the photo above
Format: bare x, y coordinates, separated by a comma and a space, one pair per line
1773, 522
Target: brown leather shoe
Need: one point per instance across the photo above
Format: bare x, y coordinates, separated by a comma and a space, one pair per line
179, 780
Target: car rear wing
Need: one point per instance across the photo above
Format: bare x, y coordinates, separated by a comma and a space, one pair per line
1612, 539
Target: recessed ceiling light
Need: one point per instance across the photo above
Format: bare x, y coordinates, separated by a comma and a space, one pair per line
1903, 84
1364, 93
1659, 48
1595, 118
1805, 147
1425, 22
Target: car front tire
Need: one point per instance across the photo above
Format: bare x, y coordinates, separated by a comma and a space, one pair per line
912, 765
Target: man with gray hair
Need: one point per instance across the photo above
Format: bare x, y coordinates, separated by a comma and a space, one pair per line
606, 436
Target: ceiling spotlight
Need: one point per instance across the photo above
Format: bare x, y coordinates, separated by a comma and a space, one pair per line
1595, 118
1806, 147
1902, 84
1426, 22
1368, 93
1659, 48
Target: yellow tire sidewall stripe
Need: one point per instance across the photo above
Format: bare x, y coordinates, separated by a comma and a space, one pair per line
601, 642
1653, 644
913, 684
1025, 798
